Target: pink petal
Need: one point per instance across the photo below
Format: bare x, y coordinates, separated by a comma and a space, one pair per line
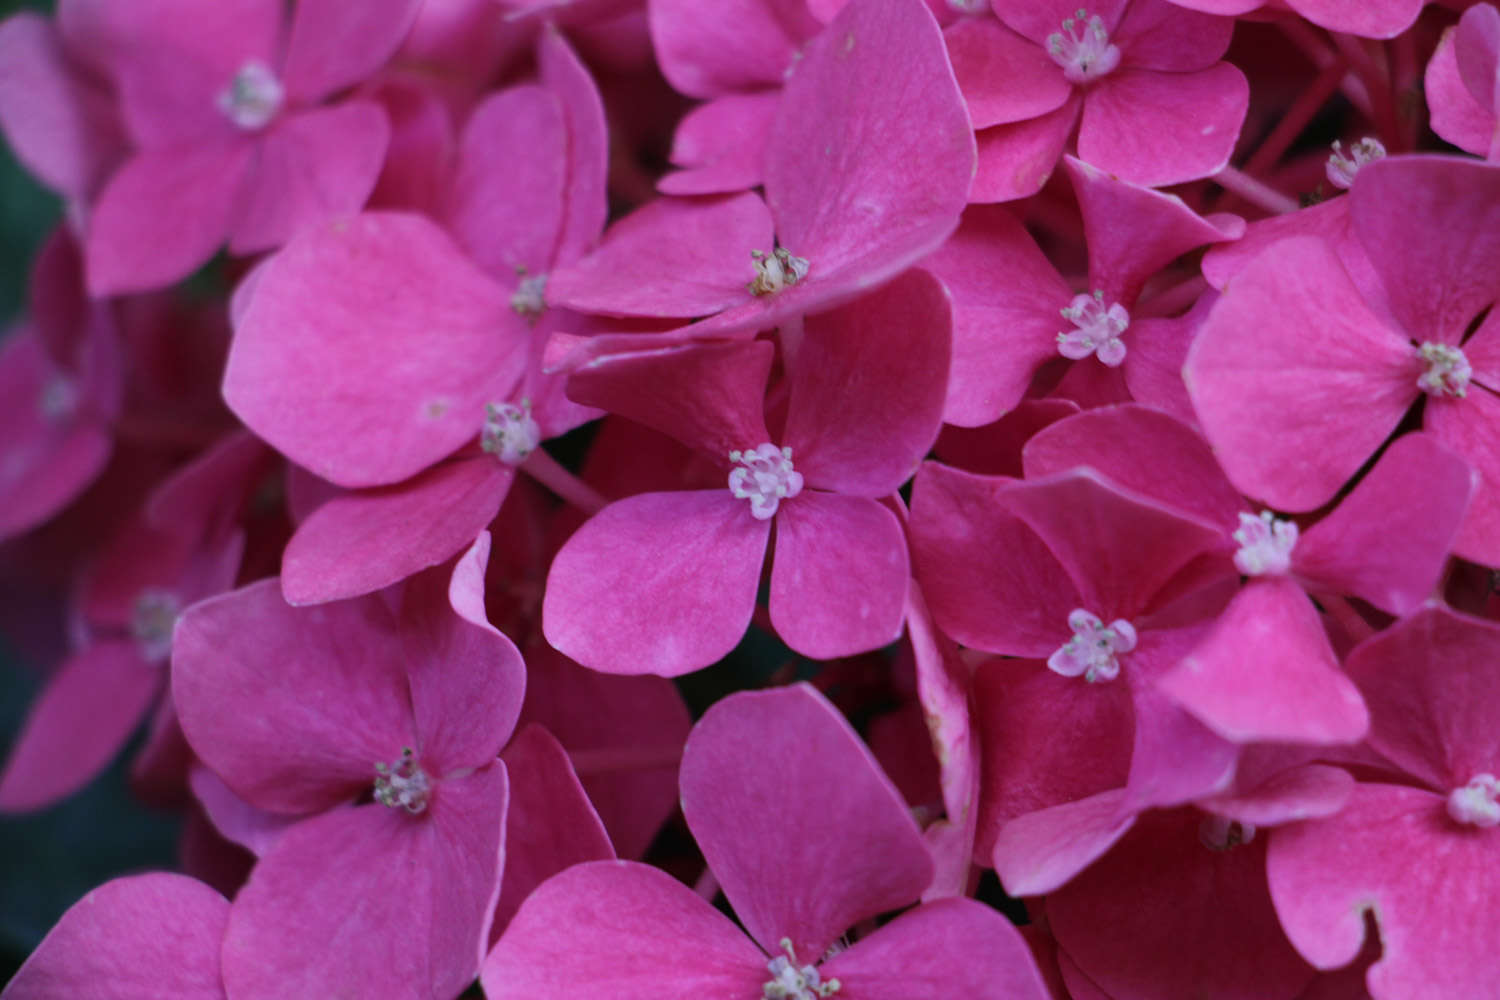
508, 219
1307, 792
588, 144
953, 947
737, 45
622, 930
1431, 225
1016, 160
721, 144
1004, 77
956, 522
1038, 852
1161, 915
1158, 350
314, 165
757, 758
891, 344
872, 152
660, 583
1327, 219
1455, 113
370, 901
1291, 416
370, 349
838, 578
707, 396
162, 215
419, 157
1389, 539
1158, 34
1155, 128
995, 448
82, 718
1006, 297
292, 707
363, 541
60, 123
137, 938
1326, 875
1267, 674
1386, 19
1469, 427
335, 45
551, 824
1429, 681
1476, 46
236, 820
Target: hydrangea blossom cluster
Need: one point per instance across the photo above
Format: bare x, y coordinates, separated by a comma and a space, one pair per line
766, 499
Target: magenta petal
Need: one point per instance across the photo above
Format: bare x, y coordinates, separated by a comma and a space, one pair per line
588, 143
143, 937
1386, 19
872, 151
755, 760
162, 215
1156, 128
234, 819
672, 257
952, 947
292, 707
1307, 792
839, 574
660, 583
1431, 225
1433, 917
1471, 427
1158, 34
370, 349
508, 219
335, 45
621, 930
1041, 851
370, 901
1016, 160
1292, 416
721, 145
81, 719
995, 448
1004, 77
1456, 114
735, 46
890, 344
1266, 673
314, 165
551, 825
1389, 539
707, 396
60, 124
1151, 919
362, 541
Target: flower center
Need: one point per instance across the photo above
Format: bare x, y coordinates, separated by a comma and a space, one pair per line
1343, 166
58, 399
1477, 803
1266, 544
1082, 48
253, 97
789, 981
765, 477
403, 784
509, 432
777, 271
1217, 833
151, 623
1094, 650
1447, 373
1097, 329
528, 301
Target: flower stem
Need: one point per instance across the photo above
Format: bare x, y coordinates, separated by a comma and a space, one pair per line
545, 469
1256, 192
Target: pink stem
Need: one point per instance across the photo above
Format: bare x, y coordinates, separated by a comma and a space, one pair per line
1306, 38
1257, 193
1307, 104
1377, 82
545, 469
707, 885
1173, 300
1339, 608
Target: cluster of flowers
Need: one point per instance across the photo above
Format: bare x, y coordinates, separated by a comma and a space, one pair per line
1148, 536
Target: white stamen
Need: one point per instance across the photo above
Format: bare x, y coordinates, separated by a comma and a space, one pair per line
1094, 649
509, 432
1477, 803
1447, 373
969, 6
1342, 167
1266, 544
1082, 48
776, 271
792, 982
253, 98
529, 299
1097, 329
1218, 833
765, 477
403, 784
151, 622
59, 398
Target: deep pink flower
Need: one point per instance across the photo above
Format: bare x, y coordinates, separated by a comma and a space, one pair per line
1461, 81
